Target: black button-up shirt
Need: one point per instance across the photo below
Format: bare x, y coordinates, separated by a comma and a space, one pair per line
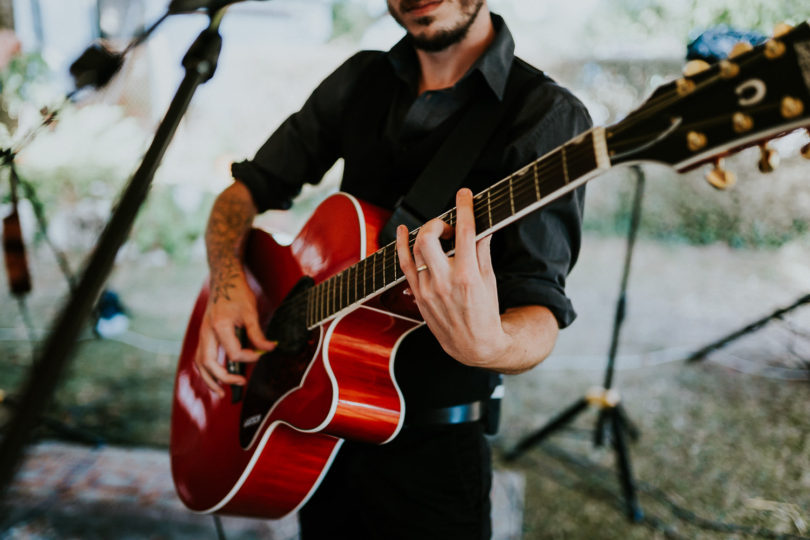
531, 257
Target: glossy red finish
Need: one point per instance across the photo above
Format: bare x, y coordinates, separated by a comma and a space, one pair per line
400, 300
369, 405
353, 394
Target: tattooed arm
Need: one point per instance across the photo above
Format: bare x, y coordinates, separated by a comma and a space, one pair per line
231, 303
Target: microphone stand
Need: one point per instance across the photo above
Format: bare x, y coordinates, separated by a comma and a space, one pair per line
200, 63
611, 415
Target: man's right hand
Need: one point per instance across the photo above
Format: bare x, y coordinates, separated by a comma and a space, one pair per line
220, 326
231, 303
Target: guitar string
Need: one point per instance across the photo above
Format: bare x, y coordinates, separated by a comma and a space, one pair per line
518, 192
520, 189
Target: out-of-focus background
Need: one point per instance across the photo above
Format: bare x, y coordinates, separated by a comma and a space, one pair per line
724, 450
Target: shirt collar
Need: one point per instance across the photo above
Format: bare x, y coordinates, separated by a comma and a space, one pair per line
493, 65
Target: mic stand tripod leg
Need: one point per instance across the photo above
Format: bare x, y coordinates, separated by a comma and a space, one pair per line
634, 511
613, 417
553, 425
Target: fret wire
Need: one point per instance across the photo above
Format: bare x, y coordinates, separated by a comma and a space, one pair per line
325, 293
384, 253
536, 180
511, 196
489, 207
564, 165
348, 284
356, 296
324, 298
320, 301
309, 308
366, 292
339, 284
332, 281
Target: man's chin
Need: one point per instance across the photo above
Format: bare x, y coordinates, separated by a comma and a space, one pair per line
435, 41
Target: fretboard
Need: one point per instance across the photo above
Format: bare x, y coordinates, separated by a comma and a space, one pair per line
524, 191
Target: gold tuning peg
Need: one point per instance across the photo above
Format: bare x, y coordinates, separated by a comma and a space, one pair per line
781, 29
693, 67
719, 177
769, 158
741, 47
806, 147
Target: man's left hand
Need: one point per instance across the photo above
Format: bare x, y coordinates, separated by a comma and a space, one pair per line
457, 296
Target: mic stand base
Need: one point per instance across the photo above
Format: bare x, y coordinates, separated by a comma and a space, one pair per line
611, 419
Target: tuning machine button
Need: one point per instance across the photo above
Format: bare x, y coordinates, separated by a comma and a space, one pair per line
768, 159
696, 141
719, 177
694, 67
742, 122
739, 48
791, 107
774, 48
728, 69
781, 29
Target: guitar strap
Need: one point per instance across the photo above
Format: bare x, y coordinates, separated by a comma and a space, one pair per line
452, 163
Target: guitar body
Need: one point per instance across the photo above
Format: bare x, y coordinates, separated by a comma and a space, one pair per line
264, 452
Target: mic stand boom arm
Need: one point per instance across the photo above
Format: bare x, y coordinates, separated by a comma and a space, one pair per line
52, 358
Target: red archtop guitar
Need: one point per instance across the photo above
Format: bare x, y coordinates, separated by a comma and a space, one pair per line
338, 304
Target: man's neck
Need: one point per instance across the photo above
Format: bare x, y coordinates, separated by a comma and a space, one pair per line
445, 68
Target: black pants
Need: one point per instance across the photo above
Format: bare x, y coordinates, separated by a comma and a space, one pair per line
429, 483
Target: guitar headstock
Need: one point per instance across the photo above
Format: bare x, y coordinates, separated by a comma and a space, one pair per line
748, 99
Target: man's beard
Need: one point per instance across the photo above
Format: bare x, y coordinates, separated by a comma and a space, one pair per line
442, 39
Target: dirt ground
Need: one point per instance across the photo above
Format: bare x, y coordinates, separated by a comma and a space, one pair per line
724, 447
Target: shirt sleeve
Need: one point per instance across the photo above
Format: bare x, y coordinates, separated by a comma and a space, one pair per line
533, 256
306, 144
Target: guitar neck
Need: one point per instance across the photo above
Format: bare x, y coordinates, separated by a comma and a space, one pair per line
535, 185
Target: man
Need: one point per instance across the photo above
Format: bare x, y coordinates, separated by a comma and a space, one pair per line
495, 307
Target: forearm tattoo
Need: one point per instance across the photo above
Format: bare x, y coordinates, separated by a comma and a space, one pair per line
231, 218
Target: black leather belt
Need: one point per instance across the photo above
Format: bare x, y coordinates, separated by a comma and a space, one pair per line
457, 414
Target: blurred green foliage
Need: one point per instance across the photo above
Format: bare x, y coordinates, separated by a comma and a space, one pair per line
19, 78
350, 18
759, 15
164, 224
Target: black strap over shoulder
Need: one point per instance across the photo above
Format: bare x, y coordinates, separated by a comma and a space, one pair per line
452, 163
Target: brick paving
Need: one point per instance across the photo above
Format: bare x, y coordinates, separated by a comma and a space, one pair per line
71, 491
